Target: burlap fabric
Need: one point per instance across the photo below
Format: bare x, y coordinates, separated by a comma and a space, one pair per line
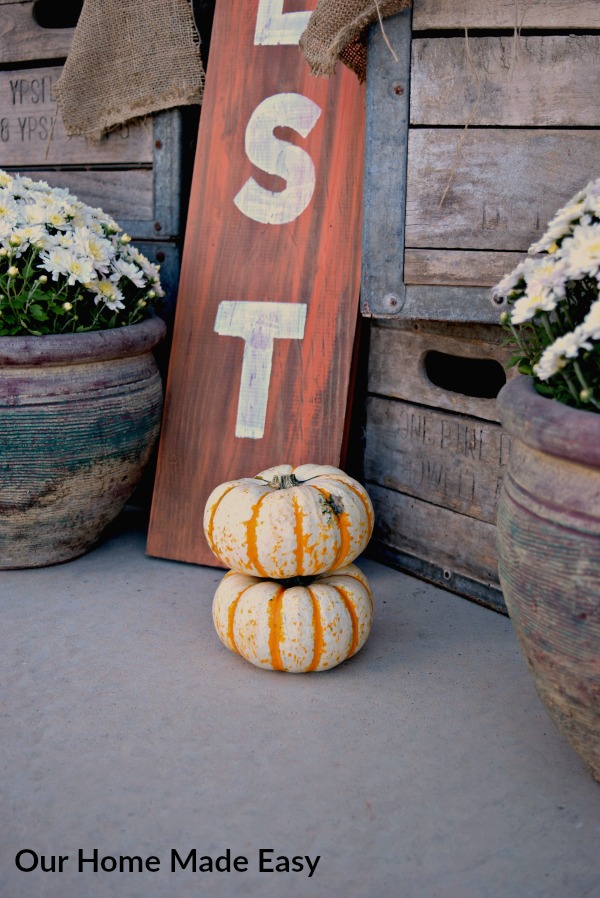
129, 58
336, 31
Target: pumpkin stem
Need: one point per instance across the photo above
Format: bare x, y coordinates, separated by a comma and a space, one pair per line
284, 481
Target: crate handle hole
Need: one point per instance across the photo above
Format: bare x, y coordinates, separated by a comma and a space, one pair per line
478, 378
50, 14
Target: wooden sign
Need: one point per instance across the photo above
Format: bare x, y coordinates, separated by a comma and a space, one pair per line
269, 289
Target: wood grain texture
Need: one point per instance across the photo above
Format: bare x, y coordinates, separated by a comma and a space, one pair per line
547, 14
228, 258
23, 40
446, 459
506, 186
32, 132
535, 81
454, 541
397, 364
466, 268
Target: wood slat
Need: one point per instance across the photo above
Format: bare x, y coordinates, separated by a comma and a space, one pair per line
447, 539
22, 39
126, 195
547, 14
457, 268
535, 81
397, 365
506, 185
384, 184
446, 459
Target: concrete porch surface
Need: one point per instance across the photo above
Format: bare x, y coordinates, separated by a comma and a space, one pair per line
425, 767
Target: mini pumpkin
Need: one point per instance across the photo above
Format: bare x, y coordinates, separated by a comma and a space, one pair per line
296, 628
289, 522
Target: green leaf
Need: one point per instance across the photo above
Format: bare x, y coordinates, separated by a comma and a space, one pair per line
37, 312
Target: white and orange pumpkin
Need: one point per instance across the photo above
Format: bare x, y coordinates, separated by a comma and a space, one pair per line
289, 522
296, 628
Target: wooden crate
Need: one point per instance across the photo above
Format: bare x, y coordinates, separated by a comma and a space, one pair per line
134, 173
474, 140
435, 456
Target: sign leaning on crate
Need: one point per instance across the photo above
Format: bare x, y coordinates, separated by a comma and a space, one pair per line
269, 289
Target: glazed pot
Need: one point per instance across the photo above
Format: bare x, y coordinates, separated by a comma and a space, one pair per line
79, 416
549, 555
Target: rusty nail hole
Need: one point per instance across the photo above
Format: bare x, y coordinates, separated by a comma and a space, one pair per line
160, 256
398, 89
447, 575
157, 226
497, 299
158, 144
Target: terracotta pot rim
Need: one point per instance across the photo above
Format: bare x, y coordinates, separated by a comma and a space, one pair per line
91, 346
548, 425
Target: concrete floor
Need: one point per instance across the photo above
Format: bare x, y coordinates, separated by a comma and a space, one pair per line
425, 767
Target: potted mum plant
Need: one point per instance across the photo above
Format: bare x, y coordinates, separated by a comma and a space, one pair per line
80, 392
549, 510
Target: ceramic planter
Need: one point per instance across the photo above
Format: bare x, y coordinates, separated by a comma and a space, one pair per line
549, 555
79, 416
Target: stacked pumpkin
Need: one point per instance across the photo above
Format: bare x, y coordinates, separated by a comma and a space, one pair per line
292, 600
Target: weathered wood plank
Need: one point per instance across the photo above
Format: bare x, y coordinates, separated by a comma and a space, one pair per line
22, 39
506, 186
384, 190
397, 365
268, 298
32, 133
547, 14
126, 195
453, 541
535, 81
457, 268
488, 595
446, 459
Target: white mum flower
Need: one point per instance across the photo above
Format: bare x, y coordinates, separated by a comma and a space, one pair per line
542, 300
96, 248
561, 224
581, 252
33, 213
554, 358
128, 270
591, 322
60, 261
548, 273
109, 294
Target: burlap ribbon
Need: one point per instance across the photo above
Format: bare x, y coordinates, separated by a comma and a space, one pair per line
336, 31
129, 59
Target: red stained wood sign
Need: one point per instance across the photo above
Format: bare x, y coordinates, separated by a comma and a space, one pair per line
269, 288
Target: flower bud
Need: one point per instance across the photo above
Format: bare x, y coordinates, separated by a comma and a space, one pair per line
13, 271
67, 306
586, 394
43, 279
